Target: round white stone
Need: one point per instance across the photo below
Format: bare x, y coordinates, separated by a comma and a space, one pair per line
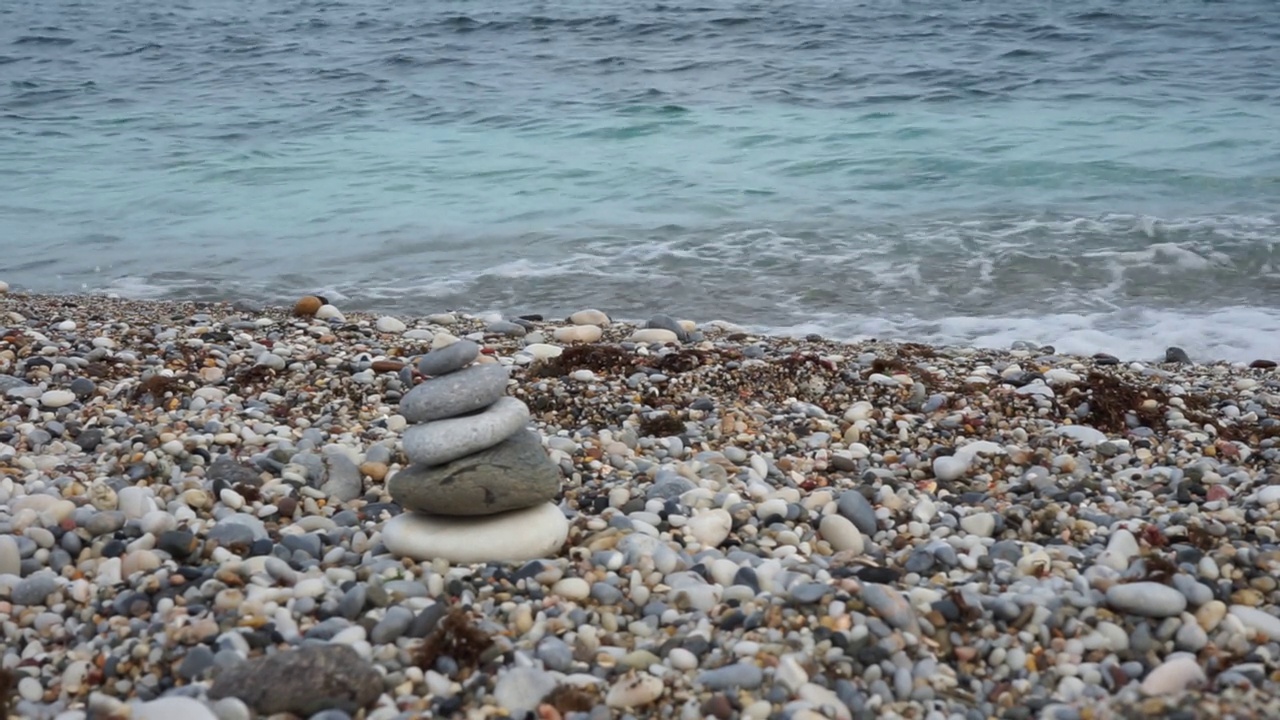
1086, 436
654, 335
633, 691
950, 467
516, 536
1260, 621
589, 317
543, 351
711, 527
57, 398
1149, 599
980, 524
1179, 673
572, 588
388, 324
329, 312
841, 533
578, 333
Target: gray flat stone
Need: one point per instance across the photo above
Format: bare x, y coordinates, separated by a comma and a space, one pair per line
442, 441
455, 394
304, 681
516, 473
450, 358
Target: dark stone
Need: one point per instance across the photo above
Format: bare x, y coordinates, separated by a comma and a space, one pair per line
178, 543
226, 473
1262, 364
196, 663
514, 474
1176, 355
1105, 359
304, 681
89, 440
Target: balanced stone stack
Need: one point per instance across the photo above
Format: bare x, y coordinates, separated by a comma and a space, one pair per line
479, 487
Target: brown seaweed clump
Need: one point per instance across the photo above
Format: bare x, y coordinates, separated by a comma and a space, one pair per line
457, 637
8, 683
567, 699
602, 359
664, 425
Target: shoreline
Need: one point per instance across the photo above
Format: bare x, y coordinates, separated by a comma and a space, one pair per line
777, 334
914, 528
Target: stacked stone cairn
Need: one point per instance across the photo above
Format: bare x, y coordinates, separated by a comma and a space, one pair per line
479, 487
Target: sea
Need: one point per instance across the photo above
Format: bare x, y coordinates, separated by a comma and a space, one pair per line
1097, 175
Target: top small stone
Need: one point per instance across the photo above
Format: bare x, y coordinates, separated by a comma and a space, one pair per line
449, 358
589, 317
307, 306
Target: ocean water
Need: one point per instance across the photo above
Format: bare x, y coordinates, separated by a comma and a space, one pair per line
1098, 175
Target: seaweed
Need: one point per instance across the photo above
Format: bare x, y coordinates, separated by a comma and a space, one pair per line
663, 425
158, 386
7, 685
596, 358
456, 636
681, 361
567, 699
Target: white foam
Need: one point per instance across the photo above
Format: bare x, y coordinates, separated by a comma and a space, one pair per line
1237, 334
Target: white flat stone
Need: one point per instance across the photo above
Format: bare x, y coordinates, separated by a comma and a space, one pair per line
516, 536
841, 533
578, 333
57, 398
388, 324
589, 317
654, 335
711, 527
1083, 434
1149, 599
1177, 674
1261, 621
950, 467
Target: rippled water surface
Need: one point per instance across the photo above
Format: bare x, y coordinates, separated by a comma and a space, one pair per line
1097, 175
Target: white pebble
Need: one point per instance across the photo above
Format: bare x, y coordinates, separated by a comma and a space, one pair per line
57, 398
711, 527
388, 324
634, 691
572, 588
841, 533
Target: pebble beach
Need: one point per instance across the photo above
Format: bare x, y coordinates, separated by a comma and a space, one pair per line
193, 499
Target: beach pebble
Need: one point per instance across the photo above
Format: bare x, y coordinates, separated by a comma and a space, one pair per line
510, 537
169, 708
841, 533
1180, 673
634, 691
454, 394
442, 441
589, 317
654, 336
1149, 599
511, 475
520, 690
711, 527
302, 681
449, 359
388, 324
57, 398
578, 334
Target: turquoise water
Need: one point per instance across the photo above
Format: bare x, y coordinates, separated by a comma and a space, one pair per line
1096, 175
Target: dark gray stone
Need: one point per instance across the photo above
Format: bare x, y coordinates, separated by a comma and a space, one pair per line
450, 358
666, 322
83, 387
855, 508
225, 472
516, 473
105, 523
1176, 355
34, 589
196, 663
304, 681
455, 394
89, 439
